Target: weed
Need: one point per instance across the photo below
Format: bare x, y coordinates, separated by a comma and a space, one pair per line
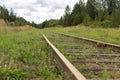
24, 55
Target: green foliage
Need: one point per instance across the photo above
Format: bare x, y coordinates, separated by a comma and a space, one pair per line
43, 25
105, 24
112, 5
105, 74
61, 21
65, 20
4, 13
33, 24
87, 20
103, 13
50, 23
78, 13
75, 17
115, 18
24, 55
8, 74
91, 10
110, 35
67, 44
66, 17
102, 24
11, 18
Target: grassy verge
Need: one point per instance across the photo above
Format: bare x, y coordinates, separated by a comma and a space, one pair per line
67, 45
24, 56
111, 35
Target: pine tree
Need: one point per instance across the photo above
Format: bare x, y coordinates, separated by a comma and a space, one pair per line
12, 17
78, 13
66, 17
4, 13
111, 5
91, 9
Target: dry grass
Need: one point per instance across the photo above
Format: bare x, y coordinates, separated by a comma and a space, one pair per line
111, 35
5, 27
2, 22
25, 27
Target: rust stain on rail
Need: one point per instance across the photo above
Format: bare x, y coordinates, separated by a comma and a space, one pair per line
69, 69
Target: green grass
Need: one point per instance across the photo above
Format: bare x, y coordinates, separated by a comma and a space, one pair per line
65, 44
111, 35
24, 55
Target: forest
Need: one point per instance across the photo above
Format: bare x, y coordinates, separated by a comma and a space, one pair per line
11, 19
102, 13
95, 13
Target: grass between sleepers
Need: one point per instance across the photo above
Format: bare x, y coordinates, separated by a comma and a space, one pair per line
111, 35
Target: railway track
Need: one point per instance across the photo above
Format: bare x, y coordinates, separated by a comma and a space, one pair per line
93, 61
70, 72
98, 43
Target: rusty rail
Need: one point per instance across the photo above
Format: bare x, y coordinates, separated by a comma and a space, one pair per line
103, 44
96, 61
101, 69
79, 54
70, 71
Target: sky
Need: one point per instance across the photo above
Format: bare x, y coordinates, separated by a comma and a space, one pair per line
38, 10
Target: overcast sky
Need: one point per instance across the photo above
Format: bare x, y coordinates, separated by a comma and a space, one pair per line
38, 10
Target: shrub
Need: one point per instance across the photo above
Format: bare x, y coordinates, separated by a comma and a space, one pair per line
115, 18
105, 24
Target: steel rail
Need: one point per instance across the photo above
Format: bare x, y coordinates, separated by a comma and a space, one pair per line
101, 69
95, 61
64, 64
79, 54
103, 44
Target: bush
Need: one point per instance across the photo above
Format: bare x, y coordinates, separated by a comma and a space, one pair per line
115, 18
106, 24
87, 20
103, 24
8, 74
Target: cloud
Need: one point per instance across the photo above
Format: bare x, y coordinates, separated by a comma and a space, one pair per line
38, 10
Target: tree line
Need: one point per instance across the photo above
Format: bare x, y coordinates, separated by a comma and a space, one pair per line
10, 17
104, 13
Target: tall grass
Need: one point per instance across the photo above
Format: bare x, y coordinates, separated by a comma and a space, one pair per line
111, 35
24, 55
66, 45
